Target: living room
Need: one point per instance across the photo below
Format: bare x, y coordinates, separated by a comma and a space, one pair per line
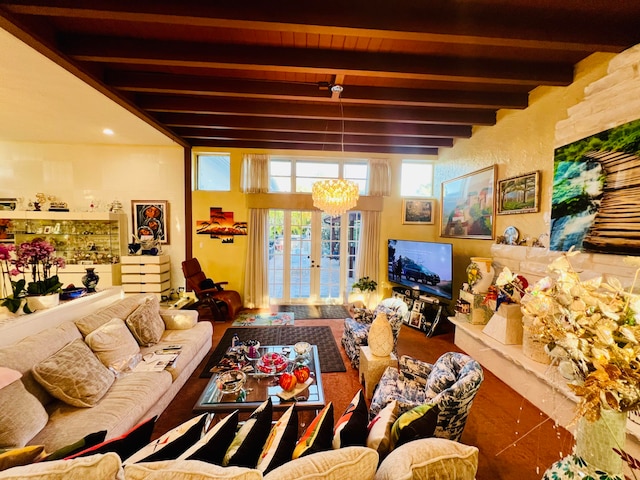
154, 166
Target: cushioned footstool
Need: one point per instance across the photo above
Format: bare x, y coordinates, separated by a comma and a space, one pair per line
372, 368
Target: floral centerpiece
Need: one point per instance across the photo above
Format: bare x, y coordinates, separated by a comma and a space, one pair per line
38, 260
510, 287
591, 330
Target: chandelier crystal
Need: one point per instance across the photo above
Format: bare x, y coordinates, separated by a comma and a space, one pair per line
335, 196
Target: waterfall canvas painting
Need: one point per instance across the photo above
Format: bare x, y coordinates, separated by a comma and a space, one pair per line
596, 193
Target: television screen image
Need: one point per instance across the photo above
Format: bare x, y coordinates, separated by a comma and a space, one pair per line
427, 266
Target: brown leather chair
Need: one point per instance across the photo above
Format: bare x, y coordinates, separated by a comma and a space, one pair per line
224, 304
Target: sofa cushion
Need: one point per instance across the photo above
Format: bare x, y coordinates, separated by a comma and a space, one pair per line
433, 458
15, 457
74, 375
23, 416
145, 322
85, 442
319, 434
179, 321
379, 437
126, 444
119, 309
22, 356
214, 444
351, 428
113, 344
419, 422
173, 443
246, 446
279, 446
349, 463
8, 376
127, 401
104, 467
188, 470
191, 341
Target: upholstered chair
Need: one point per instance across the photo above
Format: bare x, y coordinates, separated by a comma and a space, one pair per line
451, 383
356, 330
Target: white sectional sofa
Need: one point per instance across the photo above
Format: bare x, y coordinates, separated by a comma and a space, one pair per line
32, 416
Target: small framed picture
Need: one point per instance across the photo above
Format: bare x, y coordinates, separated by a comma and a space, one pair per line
8, 203
416, 319
418, 211
150, 219
519, 194
47, 229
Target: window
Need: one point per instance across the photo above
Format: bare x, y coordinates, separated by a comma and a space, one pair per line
291, 175
213, 172
416, 179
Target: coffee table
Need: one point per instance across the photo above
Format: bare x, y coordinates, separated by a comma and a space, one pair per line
259, 387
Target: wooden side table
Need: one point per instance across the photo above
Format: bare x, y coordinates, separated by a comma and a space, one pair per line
372, 368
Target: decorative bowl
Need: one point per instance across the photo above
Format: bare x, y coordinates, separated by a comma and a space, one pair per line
231, 381
68, 294
302, 348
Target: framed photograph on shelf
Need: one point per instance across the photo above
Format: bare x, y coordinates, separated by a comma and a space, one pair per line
519, 194
8, 203
416, 319
467, 205
418, 211
150, 219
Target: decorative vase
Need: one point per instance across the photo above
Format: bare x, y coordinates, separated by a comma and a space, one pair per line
594, 455
533, 347
42, 302
90, 279
380, 337
480, 273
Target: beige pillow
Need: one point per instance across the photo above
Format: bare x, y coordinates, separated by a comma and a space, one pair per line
180, 321
23, 416
348, 463
104, 467
74, 375
432, 458
186, 470
145, 322
113, 344
379, 436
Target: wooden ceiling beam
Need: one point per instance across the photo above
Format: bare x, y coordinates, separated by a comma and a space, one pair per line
328, 147
567, 25
319, 137
111, 50
151, 82
306, 125
191, 104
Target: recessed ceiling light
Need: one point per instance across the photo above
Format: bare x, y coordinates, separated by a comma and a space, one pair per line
107, 131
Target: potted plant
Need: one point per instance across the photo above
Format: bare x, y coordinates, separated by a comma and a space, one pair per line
38, 259
366, 286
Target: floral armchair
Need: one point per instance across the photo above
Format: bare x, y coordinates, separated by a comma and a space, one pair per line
356, 330
451, 383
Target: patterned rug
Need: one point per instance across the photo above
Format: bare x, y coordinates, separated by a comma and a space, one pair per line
330, 359
316, 311
266, 319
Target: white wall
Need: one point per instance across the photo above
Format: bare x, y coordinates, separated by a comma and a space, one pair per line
80, 174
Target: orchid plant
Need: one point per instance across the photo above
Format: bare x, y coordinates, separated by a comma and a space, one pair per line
38, 258
591, 330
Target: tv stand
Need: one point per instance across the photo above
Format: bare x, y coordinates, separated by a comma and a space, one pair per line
425, 311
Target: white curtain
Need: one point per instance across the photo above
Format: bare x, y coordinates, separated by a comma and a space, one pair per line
368, 262
379, 178
256, 282
254, 174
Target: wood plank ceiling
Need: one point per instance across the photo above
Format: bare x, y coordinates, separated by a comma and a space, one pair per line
416, 74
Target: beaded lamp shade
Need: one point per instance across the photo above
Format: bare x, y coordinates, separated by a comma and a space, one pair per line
335, 196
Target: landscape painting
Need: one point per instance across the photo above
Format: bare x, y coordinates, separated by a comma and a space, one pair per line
221, 225
595, 204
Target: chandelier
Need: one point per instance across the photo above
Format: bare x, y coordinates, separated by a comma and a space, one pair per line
335, 196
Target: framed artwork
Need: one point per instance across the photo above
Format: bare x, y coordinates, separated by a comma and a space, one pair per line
519, 194
416, 319
595, 197
467, 205
418, 211
150, 219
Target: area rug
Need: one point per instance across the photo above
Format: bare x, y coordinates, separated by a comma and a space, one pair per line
315, 311
330, 359
266, 319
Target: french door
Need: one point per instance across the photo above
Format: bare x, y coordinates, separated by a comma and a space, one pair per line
311, 256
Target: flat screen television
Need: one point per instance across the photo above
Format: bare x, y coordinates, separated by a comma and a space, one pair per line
427, 266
